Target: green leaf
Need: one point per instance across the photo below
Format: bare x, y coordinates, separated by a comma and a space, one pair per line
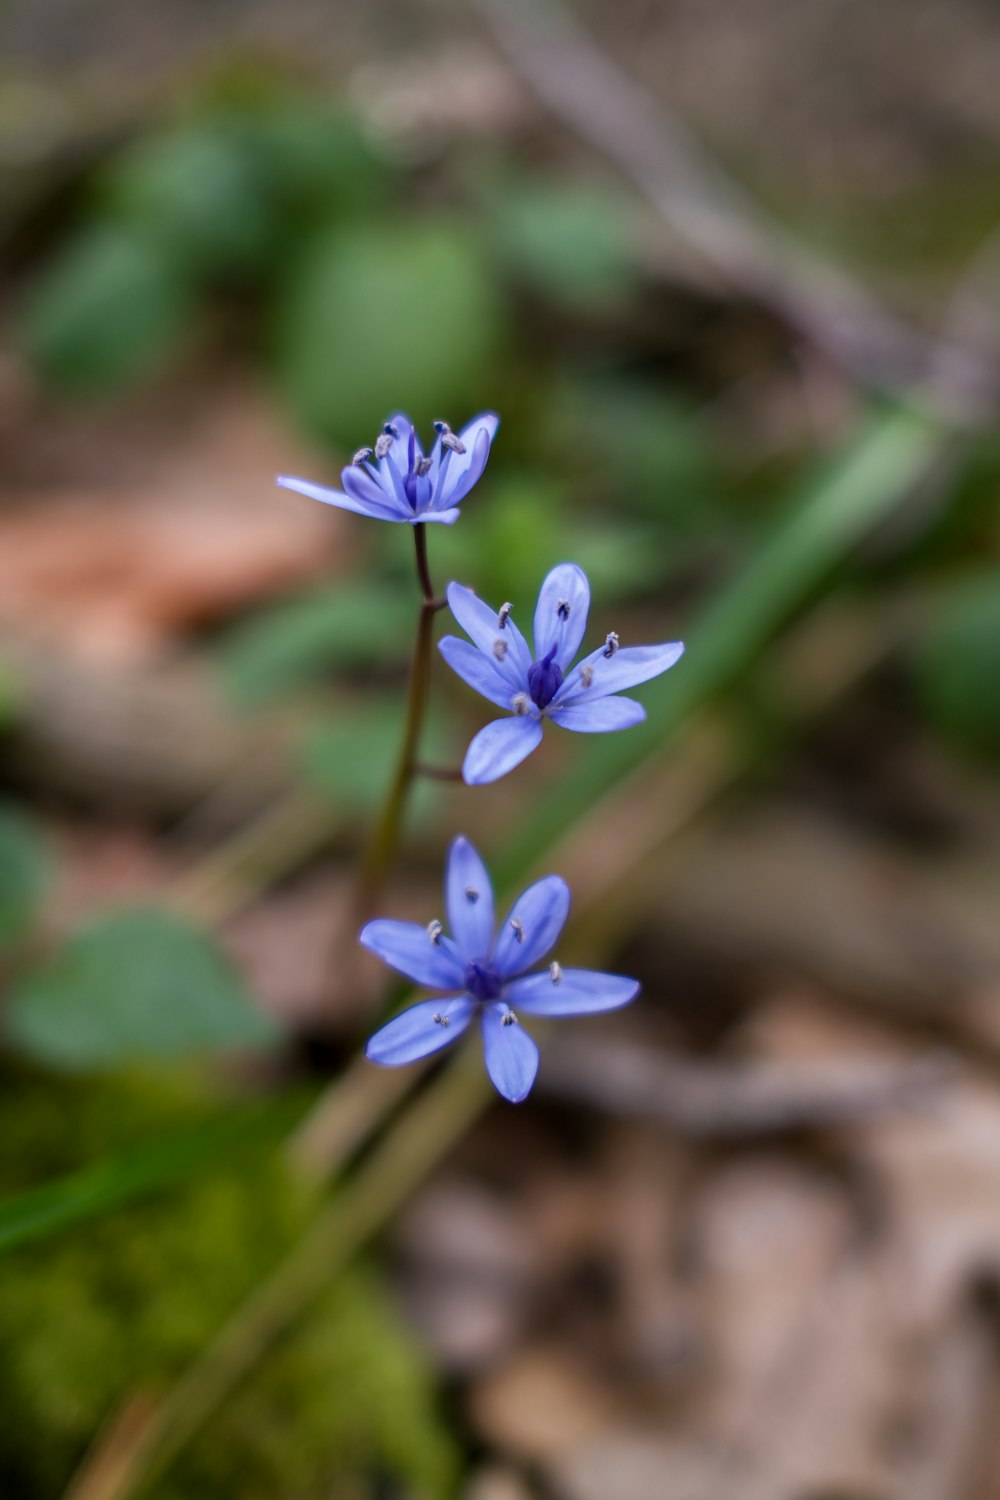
291, 644
956, 664
106, 312
134, 1174
24, 869
378, 318
573, 243
201, 194
132, 986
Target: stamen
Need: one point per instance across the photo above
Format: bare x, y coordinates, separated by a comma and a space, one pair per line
434, 931
362, 456
471, 894
448, 438
423, 467
499, 649
506, 610
586, 675
521, 704
611, 644
518, 927
508, 1018
383, 445
441, 1020
555, 973
562, 609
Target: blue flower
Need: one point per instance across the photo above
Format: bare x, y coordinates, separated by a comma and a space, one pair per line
394, 481
542, 686
486, 974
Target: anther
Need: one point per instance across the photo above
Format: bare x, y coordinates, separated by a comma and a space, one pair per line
448, 438
562, 609
504, 615
434, 931
508, 1018
383, 444
611, 644
555, 973
362, 456
441, 1020
587, 674
518, 927
499, 649
471, 894
520, 703
423, 467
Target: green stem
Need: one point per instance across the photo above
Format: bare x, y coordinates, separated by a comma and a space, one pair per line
386, 836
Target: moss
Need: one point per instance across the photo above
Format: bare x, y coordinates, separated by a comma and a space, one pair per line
123, 1305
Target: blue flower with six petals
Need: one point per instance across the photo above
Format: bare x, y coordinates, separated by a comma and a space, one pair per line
395, 481
486, 974
533, 688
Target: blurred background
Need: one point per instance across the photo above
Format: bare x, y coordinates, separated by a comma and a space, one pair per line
730, 275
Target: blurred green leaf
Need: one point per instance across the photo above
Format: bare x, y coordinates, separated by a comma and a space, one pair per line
106, 312
351, 755
133, 1174
134, 985
24, 869
373, 319
573, 243
317, 157
200, 193
957, 674
350, 625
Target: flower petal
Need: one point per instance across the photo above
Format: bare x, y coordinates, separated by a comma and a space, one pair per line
380, 509
362, 484
414, 1033
599, 717
614, 674
446, 517
468, 896
566, 589
406, 946
475, 669
482, 624
511, 1055
578, 992
401, 445
532, 926
465, 469
499, 747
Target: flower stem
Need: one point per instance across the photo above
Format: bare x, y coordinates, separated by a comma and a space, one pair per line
382, 847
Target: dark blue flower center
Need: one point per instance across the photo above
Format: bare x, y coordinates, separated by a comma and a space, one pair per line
544, 679
482, 981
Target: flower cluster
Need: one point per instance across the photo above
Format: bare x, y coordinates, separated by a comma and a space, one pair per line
482, 975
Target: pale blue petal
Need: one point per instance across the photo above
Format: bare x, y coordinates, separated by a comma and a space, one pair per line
400, 450
380, 510
499, 747
614, 674
415, 1033
468, 896
579, 992
361, 484
463, 470
407, 946
455, 488
566, 585
481, 622
475, 669
511, 1055
446, 517
538, 915
601, 717
392, 478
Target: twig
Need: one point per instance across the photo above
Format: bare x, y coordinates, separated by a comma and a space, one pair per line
730, 233
735, 1100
